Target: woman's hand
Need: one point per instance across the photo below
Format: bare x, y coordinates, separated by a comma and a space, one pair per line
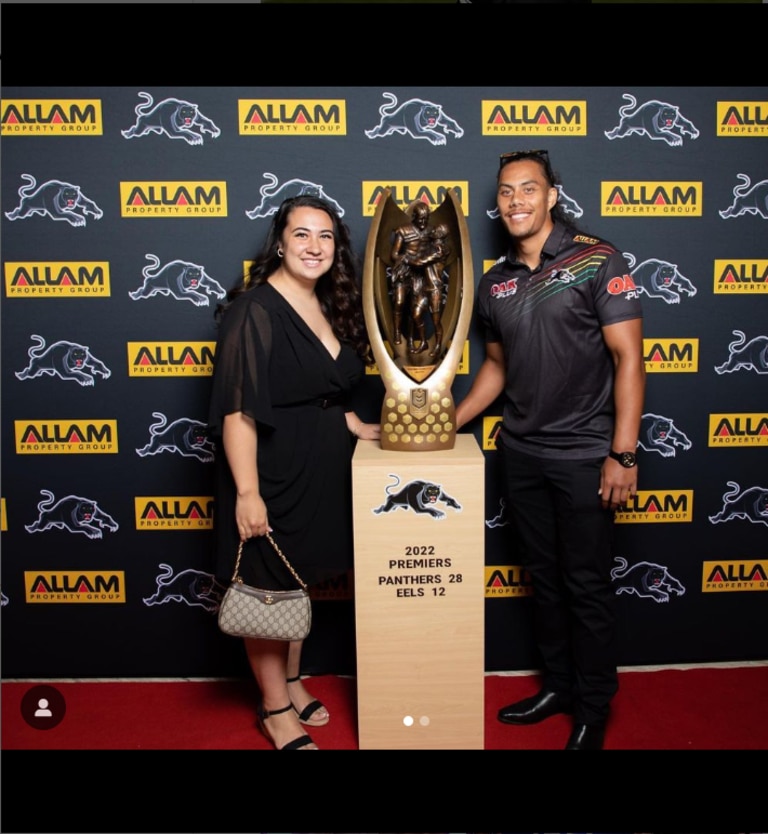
361, 430
251, 516
368, 431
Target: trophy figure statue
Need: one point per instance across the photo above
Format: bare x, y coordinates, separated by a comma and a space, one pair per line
418, 293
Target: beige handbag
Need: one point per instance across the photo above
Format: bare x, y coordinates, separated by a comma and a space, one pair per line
252, 612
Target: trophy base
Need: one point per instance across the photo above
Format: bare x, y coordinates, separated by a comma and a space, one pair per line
418, 419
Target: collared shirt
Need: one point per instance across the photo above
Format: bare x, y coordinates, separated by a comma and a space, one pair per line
559, 372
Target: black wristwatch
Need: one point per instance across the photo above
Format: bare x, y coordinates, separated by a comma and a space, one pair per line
626, 459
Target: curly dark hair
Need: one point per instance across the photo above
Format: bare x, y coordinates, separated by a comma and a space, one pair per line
338, 290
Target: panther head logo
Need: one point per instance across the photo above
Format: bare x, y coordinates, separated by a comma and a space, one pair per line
416, 118
653, 119
659, 434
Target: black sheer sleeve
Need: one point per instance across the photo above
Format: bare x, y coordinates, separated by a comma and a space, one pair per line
241, 363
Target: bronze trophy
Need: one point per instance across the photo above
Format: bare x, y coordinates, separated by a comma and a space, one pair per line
418, 293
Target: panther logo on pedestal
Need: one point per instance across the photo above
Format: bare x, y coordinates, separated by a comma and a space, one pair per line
419, 496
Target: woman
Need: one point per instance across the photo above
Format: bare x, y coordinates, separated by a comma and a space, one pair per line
291, 347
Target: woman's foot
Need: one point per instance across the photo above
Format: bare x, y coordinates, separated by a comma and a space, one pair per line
310, 711
284, 730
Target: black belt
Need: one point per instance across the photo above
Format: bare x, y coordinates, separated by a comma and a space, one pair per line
320, 402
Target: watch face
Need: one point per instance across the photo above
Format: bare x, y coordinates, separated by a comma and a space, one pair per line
627, 459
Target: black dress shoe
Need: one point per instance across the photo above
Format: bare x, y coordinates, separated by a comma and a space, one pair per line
534, 709
586, 737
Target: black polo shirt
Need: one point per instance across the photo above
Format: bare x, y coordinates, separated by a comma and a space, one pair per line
559, 372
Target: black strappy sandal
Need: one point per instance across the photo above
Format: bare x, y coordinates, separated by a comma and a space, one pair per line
312, 706
296, 744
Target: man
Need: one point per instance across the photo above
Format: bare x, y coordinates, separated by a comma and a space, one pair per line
427, 288
564, 345
406, 248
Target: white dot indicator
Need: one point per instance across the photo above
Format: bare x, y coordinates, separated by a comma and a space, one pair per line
424, 721
408, 720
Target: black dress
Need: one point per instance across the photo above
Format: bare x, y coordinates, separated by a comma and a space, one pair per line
272, 367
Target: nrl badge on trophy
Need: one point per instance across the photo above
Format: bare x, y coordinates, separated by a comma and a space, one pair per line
418, 293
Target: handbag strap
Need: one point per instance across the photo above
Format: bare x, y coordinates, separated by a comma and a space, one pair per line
236, 577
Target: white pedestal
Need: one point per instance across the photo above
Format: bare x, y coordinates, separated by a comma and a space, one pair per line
419, 603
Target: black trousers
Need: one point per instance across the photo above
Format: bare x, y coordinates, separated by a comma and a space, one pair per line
566, 538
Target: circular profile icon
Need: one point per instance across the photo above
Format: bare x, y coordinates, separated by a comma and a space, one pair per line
43, 707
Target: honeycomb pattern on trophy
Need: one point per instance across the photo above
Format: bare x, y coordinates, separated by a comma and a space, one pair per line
420, 417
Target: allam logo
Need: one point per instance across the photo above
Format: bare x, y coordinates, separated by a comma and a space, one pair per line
651, 199
742, 118
671, 355
405, 192
173, 199
74, 586
729, 430
57, 279
292, 117
541, 118
739, 277
171, 512
735, 575
170, 358
491, 429
68, 437
675, 505
502, 581
51, 117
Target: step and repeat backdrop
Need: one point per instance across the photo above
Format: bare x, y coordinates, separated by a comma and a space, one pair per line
128, 212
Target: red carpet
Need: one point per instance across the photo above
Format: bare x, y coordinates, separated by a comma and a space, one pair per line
710, 708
